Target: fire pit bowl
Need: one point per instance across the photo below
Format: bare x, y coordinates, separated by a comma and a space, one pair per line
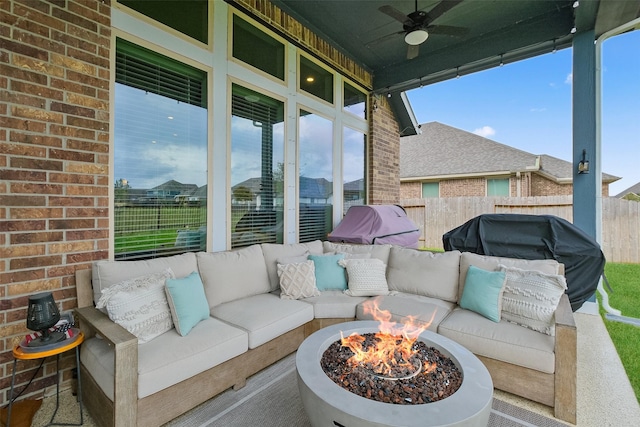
329, 405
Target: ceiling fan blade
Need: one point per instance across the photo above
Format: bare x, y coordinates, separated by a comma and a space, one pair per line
440, 9
448, 30
412, 51
383, 38
394, 13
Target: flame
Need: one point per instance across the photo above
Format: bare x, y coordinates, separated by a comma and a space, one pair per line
394, 346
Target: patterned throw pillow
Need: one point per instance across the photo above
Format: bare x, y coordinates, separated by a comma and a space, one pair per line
530, 298
140, 305
366, 277
297, 280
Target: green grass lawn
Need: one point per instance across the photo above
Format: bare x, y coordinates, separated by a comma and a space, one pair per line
625, 281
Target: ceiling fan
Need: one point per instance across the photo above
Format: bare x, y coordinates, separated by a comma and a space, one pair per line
417, 25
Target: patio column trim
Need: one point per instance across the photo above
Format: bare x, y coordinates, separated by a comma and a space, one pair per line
587, 187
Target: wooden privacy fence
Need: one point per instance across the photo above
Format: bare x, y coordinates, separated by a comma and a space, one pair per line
620, 218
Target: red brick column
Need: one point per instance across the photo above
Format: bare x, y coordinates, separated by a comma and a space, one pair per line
384, 154
54, 160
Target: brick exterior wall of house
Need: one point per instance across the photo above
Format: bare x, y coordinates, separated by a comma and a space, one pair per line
463, 187
54, 182
384, 154
411, 190
541, 186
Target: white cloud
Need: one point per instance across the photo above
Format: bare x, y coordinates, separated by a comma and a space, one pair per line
569, 79
485, 131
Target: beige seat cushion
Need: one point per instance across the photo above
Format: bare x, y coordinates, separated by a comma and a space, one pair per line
503, 341
168, 358
231, 275
334, 304
264, 316
424, 273
406, 308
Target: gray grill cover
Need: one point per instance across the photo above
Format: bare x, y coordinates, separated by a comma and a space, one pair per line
535, 237
378, 225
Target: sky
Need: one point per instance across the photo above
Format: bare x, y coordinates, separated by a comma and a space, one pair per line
527, 105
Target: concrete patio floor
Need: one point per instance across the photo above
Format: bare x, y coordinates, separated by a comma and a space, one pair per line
605, 396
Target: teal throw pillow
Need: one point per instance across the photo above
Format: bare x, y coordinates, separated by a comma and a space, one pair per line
187, 302
482, 292
329, 274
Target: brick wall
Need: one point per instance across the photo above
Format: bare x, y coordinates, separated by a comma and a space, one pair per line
541, 186
463, 187
411, 190
54, 155
384, 154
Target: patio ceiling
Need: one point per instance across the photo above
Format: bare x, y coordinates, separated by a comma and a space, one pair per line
496, 31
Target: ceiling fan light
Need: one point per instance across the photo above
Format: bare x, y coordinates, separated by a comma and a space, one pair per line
416, 37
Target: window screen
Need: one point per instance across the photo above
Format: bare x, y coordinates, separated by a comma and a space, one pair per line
355, 102
315, 185
498, 187
353, 160
160, 155
254, 47
315, 80
430, 189
257, 168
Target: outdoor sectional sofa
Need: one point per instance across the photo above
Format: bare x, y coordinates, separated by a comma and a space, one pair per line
247, 325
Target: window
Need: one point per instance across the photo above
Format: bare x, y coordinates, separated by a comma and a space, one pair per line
258, 49
355, 102
430, 190
315, 80
353, 160
160, 155
191, 20
257, 168
315, 170
498, 187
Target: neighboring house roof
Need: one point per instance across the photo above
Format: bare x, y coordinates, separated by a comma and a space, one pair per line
312, 188
173, 185
634, 189
441, 151
357, 185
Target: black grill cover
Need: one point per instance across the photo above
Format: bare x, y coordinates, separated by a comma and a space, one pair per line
535, 237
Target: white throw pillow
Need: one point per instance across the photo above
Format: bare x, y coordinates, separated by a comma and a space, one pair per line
366, 277
530, 298
140, 305
297, 280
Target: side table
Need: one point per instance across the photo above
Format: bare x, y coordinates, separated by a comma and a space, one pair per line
69, 344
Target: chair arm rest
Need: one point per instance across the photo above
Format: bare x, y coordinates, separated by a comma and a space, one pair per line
94, 322
564, 314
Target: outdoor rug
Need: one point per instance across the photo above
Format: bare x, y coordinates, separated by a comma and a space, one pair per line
271, 399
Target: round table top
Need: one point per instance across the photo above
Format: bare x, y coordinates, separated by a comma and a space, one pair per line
20, 353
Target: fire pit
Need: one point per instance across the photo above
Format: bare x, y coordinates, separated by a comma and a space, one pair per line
329, 404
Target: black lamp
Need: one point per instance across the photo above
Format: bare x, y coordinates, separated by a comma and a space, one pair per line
42, 314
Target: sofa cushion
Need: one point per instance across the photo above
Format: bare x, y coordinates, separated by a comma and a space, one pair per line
486, 262
169, 358
187, 302
366, 277
297, 280
503, 341
380, 252
329, 274
272, 252
140, 305
407, 308
334, 304
264, 316
424, 273
231, 275
107, 273
530, 298
483, 292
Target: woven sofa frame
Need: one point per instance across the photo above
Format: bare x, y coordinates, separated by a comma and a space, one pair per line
557, 390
